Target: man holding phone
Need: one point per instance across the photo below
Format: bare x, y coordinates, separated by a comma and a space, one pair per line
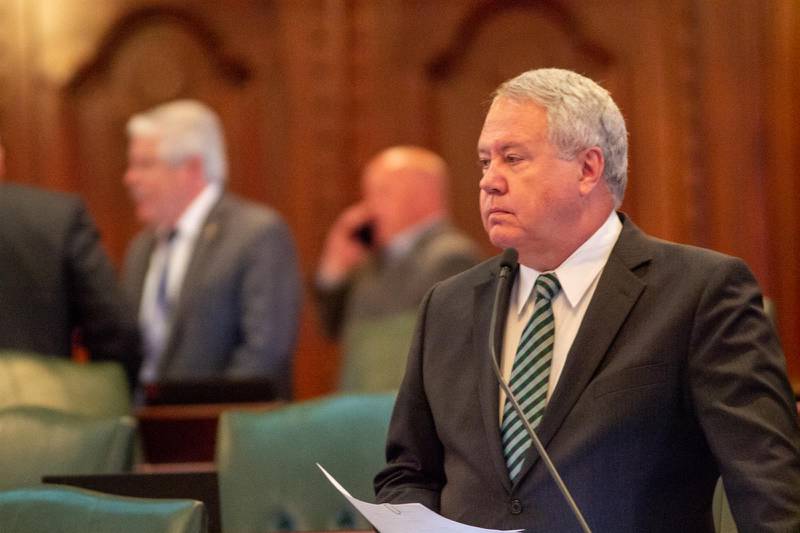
380, 258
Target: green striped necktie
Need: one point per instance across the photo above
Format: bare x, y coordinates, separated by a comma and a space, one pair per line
530, 374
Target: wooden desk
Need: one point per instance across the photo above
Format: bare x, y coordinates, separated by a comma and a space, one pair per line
186, 433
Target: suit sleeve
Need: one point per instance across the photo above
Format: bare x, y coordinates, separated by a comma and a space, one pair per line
97, 306
270, 308
738, 385
331, 304
414, 471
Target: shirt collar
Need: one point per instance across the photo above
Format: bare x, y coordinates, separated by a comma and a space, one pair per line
402, 243
195, 215
579, 271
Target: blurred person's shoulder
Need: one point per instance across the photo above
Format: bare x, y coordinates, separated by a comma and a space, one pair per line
251, 212
26, 201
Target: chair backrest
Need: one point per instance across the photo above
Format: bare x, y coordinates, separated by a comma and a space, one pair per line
268, 478
36, 441
376, 350
94, 388
65, 509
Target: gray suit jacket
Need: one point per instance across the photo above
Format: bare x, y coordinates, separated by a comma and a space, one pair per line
675, 376
374, 312
238, 310
55, 280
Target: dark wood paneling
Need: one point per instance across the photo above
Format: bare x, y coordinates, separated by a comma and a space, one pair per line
782, 154
308, 90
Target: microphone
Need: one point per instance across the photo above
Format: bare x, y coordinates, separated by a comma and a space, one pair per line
508, 260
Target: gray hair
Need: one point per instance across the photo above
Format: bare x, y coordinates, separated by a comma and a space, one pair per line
184, 129
580, 114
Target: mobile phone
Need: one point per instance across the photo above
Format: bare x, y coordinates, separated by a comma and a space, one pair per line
365, 234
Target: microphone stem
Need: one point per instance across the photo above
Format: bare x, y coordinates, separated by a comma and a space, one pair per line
510, 395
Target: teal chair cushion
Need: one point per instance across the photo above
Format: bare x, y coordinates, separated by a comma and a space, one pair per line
94, 389
50, 508
266, 463
35, 441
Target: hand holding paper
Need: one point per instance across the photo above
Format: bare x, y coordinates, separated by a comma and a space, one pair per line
406, 517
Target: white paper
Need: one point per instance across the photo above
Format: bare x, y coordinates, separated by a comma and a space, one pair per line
405, 517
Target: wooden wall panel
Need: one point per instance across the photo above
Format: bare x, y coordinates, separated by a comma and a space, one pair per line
310, 89
16, 128
732, 206
8, 30
782, 153
319, 170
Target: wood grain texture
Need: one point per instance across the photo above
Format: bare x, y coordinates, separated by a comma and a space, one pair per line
309, 90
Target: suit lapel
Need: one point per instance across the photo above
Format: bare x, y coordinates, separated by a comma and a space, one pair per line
617, 291
488, 386
201, 253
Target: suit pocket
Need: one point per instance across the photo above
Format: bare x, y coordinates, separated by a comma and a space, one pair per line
631, 378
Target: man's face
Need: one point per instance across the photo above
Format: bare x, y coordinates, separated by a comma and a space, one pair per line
154, 185
528, 196
386, 197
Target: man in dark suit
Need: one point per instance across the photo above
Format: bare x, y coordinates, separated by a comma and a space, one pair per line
215, 277
57, 285
647, 368
370, 285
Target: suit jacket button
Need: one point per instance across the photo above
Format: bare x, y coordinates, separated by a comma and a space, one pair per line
516, 506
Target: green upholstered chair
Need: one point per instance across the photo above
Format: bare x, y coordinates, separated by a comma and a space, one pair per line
268, 478
376, 350
49, 508
95, 388
36, 441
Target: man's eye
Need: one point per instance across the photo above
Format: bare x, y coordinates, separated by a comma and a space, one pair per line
483, 163
512, 159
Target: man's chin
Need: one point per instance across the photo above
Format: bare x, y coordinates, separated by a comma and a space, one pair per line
503, 237
145, 217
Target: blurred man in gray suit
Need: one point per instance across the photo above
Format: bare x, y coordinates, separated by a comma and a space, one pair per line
56, 282
215, 278
380, 258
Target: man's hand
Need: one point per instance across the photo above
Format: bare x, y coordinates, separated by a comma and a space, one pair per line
343, 252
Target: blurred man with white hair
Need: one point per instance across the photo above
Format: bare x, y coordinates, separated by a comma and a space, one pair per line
215, 277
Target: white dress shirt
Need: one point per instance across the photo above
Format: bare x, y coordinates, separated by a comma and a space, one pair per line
178, 251
578, 276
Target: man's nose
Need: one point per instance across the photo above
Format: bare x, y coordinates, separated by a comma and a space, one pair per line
492, 181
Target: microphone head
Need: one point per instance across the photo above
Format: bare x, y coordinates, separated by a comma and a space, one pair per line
508, 258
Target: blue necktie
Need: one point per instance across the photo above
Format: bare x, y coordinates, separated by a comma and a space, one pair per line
157, 323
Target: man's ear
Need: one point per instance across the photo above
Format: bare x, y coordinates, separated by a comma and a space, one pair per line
592, 166
194, 168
